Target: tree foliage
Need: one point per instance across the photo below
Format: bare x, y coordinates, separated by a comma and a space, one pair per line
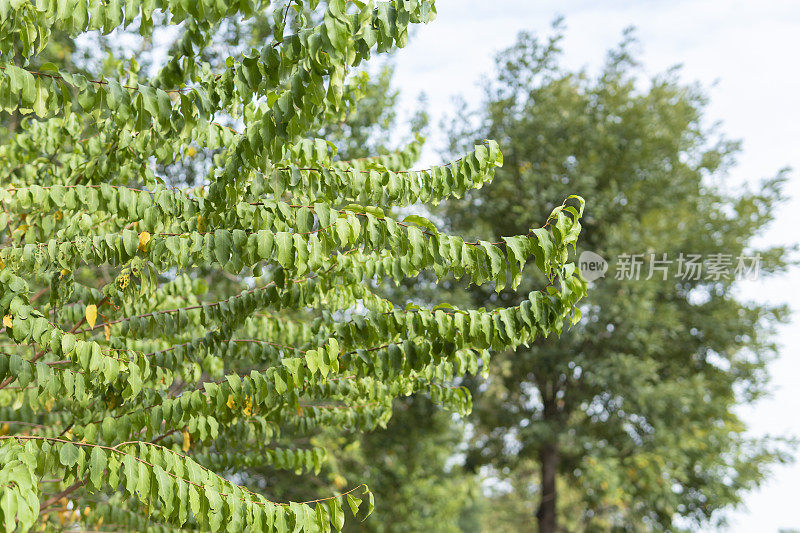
409, 463
634, 410
131, 392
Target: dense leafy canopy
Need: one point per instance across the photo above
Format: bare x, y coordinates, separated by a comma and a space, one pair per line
408, 463
126, 388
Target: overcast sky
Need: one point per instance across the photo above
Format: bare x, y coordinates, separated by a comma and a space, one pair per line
744, 52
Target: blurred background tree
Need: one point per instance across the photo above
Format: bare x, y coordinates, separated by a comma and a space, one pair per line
634, 409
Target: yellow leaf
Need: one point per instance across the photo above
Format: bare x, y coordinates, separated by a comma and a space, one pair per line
8, 321
107, 331
124, 279
4, 430
64, 272
144, 238
2, 264
187, 441
230, 403
91, 315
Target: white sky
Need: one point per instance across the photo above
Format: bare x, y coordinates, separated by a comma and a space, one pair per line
746, 47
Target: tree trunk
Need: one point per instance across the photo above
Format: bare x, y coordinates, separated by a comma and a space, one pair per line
548, 459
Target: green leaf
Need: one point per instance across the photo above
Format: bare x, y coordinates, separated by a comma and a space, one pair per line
40, 102
371, 500
354, 502
285, 248
336, 513
130, 240
69, 454
97, 466
305, 220
265, 241
222, 246
22, 82
421, 221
